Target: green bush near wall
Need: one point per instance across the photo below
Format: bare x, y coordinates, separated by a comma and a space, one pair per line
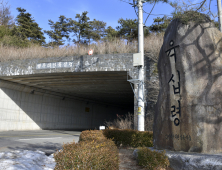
93, 151
97, 150
128, 137
152, 159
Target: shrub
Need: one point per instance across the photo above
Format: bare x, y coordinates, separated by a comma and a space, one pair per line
129, 137
13, 41
193, 16
152, 159
96, 150
89, 135
85, 155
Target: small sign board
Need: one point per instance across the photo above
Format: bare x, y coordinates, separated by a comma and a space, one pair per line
54, 65
139, 109
102, 127
90, 52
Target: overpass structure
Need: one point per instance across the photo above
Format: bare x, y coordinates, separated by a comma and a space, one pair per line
76, 92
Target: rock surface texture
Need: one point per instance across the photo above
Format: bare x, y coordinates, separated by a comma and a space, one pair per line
188, 114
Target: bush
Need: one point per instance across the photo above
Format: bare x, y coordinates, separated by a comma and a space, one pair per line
89, 135
14, 41
129, 137
92, 154
193, 16
97, 150
152, 159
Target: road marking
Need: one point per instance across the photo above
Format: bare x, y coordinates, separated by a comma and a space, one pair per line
40, 138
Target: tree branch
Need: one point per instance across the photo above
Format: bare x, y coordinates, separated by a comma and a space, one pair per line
203, 2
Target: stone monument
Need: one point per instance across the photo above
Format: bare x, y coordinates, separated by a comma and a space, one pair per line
188, 115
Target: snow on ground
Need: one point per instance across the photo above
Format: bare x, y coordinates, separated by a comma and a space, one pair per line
26, 160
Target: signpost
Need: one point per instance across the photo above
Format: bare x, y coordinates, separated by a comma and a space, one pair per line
90, 52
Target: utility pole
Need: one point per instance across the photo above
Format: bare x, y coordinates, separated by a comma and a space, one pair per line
219, 14
141, 68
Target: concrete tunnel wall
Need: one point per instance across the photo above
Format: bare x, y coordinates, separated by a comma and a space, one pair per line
20, 110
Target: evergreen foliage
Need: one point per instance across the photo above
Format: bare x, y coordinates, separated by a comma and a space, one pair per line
27, 32
80, 28
8, 29
191, 15
128, 29
160, 24
60, 30
110, 34
96, 30
4, 31
27, 28
14, 41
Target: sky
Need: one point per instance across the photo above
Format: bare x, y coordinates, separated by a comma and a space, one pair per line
109, 11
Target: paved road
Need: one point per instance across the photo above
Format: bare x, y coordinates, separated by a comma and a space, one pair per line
47, 141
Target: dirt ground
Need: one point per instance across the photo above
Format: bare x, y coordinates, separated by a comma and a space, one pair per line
127, 161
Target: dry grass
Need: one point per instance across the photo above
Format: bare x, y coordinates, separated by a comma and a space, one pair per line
152, 44
122, 122
129, 121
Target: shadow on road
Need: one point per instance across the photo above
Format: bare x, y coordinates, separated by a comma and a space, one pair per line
47, 147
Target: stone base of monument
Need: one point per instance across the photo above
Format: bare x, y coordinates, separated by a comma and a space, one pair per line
191, 161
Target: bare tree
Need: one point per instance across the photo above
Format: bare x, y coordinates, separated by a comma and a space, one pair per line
187, 5
6, 18
181, 6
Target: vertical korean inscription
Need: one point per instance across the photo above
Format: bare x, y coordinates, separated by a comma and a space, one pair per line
174, 83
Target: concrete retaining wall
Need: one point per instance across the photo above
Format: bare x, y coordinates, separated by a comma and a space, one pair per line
86, 63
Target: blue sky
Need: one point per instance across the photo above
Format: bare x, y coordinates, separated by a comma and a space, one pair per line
108, 11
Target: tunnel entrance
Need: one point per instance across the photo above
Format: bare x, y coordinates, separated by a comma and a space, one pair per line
74, 101
106, 87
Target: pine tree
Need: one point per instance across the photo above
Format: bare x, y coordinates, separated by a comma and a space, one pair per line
60, 31
96, 31
128, 29
160, 24
110, 34
80, 28
27, 28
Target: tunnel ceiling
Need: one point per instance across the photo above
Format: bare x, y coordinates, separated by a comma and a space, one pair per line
109, 87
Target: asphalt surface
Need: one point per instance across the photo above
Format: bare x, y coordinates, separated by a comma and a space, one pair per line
47, 141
